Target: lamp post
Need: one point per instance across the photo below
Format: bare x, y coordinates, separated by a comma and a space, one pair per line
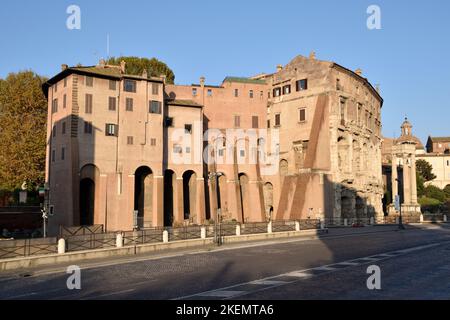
399, 207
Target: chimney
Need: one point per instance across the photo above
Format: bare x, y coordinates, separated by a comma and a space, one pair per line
312, 55
123, 66
102, 63
64, 67
279, 68
358, 72
144, 73
202, 82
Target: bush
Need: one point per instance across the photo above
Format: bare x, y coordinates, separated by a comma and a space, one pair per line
447, 191
430, 205
435, 193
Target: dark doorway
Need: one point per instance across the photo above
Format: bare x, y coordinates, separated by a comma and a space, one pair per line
87, 202
169, 176
143, 196
189, 193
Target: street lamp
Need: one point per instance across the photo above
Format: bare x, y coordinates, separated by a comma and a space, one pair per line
399, 207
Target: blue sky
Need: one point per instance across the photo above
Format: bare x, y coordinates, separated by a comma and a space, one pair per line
408, 57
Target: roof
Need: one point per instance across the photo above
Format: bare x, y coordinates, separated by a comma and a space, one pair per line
244, 80
411, 140
440, 139
184, 103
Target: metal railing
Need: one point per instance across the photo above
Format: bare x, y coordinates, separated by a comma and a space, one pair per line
90, 242
27, 247
309, 224
254, 228
145, 236
80, 231
282, 226
184, 233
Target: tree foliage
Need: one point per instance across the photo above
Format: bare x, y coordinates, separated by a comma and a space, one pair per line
425, 170
136, 66
23, 117
434, 193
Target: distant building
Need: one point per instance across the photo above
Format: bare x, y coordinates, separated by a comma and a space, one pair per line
438, 145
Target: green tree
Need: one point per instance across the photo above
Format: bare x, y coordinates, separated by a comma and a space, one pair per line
434, 192
447, 191
23, 117
425, 170
136, 66
420, 186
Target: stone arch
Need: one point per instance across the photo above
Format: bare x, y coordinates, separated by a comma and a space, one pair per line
89, 194
189, 194
169, 183
342, 153
143, 196
284, 168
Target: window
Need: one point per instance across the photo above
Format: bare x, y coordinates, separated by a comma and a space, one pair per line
153, 142
221, 152
177, 149
111, 130
112, 104
209, 93
129, 86
112, 85
342, 110
54, 130
302, 115
194, 92
63, 153
359, 115
236, 93
448, 163
129, 104
255, 122
56, 87
89, 81
237, 121
302, 85
88, 103
188, 128
129, 140
155, 107
287, 89
55, 106
268, 124
63, 130
242, 153
277, 120
65, 82
188, 149
276, 92
53, 155
168, 121
64, 101
251, 94
261, 94
88, 127
338, 85
155, 88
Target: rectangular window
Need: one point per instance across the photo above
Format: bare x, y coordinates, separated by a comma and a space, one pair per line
89, 81
338, 84
63, 153
261, 95
342, 110
302, 85
287, 89
448, 163
177, 149
53, 155
242, 153
111, 130
155, 107
277, 120
194, 92
63, 130
268, 124
209, 92
237, 121
88, 127
64, 101
55, 106
129, 104
188, 128
54, 130
56, 87
302, 115
221, 152
112, 85
155, 88
188, 149
112, 104
153, 142
236, 93
251, 94
276, 92
65, 82
130, 140
129, 86
255, 122
88, 103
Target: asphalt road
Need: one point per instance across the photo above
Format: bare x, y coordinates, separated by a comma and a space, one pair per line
414, 264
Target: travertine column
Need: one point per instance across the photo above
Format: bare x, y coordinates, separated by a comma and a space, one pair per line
413, 180
406, 181
200, 199
158, 201
394, 177
178, 203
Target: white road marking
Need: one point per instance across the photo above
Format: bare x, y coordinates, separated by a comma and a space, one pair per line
299, 274
268, 282
108, 294
222, 294
326, 268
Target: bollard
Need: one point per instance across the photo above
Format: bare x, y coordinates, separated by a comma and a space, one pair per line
165, 236
322, 225
397, 220
445, 218
421, 218
238, 230
61, 246
345, 222
269, 227
372, 220
119, 240
297, 226
203, 232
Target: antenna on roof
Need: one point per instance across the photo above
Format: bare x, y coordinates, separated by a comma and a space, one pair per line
107, 45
